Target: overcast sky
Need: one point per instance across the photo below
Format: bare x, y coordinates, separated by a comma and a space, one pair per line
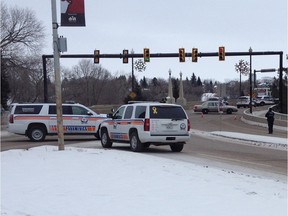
164, 26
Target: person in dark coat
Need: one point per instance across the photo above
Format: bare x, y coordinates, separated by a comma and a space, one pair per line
270, 119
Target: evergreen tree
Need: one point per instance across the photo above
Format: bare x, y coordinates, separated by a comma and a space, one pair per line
193, 80
143, 83
199, 82
175, 88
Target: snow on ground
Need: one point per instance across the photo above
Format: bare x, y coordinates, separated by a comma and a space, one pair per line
43, 181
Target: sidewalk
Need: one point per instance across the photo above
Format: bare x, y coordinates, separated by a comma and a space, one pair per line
258, 118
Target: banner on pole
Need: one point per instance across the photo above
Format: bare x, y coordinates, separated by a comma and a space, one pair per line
72, 13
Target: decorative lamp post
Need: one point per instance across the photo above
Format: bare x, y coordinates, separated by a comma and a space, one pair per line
250, 78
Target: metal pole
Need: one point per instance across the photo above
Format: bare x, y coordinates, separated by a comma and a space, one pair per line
281, 82
132, 52
250, 79
57, 77
45, 79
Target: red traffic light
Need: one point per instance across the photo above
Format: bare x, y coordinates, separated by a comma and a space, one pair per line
221, 53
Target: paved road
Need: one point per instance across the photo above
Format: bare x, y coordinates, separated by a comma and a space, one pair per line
216, 152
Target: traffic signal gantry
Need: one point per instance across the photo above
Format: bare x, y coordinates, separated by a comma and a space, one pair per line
97, 57
146, 55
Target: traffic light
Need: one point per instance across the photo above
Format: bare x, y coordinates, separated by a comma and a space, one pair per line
146, 55
125, 58
194, 54
181, 54
221, 53
96, 58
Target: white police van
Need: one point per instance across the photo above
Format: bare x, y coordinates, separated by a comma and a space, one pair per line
147, 123
40, 119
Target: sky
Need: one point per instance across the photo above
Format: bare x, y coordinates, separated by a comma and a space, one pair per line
120, 182
165, 26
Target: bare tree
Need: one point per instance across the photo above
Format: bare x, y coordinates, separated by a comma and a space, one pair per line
21, 39
243, 69
20, 30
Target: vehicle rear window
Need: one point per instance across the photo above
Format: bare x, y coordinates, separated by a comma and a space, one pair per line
28, 109
167, 112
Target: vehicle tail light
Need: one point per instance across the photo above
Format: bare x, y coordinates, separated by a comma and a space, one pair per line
147, 125
11, 119
189, 126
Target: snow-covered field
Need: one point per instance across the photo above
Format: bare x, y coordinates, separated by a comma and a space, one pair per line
43, 181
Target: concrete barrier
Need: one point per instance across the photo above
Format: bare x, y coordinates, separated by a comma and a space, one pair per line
259, 116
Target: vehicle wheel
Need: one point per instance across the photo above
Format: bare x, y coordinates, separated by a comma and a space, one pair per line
205, 111
238, 107
135, 143
229, 111
262, 103
105, 140
36, 133
177, 147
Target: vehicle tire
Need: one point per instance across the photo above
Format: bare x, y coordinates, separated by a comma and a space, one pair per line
238, 106
36, 133
205, 111
105, 139
135, 143
262, 103
177, 147
229, 111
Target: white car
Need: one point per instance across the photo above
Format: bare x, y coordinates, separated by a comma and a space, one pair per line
146, 123
264, 100
244, 101
38, 120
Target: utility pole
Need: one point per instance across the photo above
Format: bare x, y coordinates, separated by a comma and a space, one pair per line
57, 77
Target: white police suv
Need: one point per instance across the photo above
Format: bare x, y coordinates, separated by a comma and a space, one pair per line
38, 120
146, 123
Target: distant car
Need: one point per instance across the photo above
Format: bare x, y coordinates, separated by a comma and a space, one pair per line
264, 100
244, 101
214, 106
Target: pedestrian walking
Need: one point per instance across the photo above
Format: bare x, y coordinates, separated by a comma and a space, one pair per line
270, 119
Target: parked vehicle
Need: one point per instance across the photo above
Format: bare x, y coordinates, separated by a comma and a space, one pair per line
38, 120
244, 101
147, 123
264, 100
214, 106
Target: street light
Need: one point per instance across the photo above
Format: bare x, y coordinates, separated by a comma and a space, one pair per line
250, 78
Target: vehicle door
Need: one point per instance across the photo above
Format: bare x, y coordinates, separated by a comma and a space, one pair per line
67, 119
212, 106
83, 120
117, 128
